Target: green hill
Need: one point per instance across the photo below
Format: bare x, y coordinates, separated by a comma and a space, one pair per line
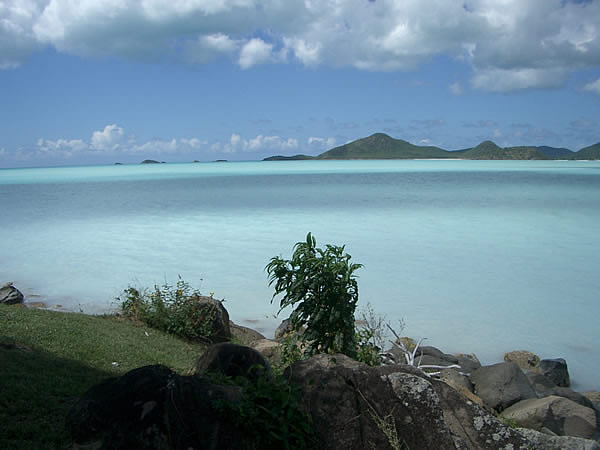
556, 153
591, 152
382, 146
489, 150
288, 158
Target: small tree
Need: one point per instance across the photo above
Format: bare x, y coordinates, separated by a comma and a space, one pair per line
320, 283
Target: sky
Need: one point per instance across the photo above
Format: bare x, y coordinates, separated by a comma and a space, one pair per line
104, 81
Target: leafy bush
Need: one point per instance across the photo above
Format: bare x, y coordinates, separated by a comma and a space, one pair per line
370, 336
320, 283
270, 412
174, 309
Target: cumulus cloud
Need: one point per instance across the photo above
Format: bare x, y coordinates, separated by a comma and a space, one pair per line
255, 51
510, 44
111, 140
593, 86
107, 139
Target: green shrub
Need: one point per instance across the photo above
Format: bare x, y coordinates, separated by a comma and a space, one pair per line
320, 284
371, 336
270, 412
174, 309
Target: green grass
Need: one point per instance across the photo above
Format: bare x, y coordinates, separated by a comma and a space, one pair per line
48, 359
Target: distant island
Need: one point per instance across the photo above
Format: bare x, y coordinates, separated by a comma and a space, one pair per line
382, 146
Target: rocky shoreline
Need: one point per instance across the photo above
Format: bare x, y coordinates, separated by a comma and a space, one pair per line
431, 399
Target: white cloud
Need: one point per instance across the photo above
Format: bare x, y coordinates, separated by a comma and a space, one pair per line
64, 148
112, 140
456, 88
534, 43
237, 143
324, 143
255, 51
507, 80
108, 139
593, 86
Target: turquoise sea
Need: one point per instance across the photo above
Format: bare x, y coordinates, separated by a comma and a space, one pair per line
477, 256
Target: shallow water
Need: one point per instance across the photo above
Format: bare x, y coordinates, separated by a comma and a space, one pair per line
478, 256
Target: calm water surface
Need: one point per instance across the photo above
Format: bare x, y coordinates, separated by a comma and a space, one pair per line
482, 257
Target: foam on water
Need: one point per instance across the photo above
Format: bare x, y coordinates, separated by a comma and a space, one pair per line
481, 257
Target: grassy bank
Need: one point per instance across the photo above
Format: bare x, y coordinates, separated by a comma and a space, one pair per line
48, 359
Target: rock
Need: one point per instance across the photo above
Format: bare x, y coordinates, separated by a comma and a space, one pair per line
523, 358
219, 318
557, 414
544, 387
593, 396
556, 370
547, 442
283, 329
10, 295
244, 335
153, 407
500, 385
233, 360
468, 362
271, 350
355, 406
453, 378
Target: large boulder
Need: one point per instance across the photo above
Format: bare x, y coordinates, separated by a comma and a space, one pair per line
501, 385
547, 442
270, 349
356, 406
526, 360
556, 370
244, 335
233, 360
214, 310
544, 387
154, 408
558, 415
10, 295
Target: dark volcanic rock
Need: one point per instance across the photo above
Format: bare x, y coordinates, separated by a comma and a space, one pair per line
556, 370
10, 295
214, 310
153, 408
233, 360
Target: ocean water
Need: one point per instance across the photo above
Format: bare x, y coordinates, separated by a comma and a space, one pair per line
477, 256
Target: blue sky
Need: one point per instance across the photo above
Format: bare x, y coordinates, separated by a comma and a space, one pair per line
100, 81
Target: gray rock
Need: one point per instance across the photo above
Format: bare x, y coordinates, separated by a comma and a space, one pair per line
501, 385
271, 350
284, 328
454, 378
544, 441
233, 360
355, 406
10, 295
544, 387
556, 370
556, 414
